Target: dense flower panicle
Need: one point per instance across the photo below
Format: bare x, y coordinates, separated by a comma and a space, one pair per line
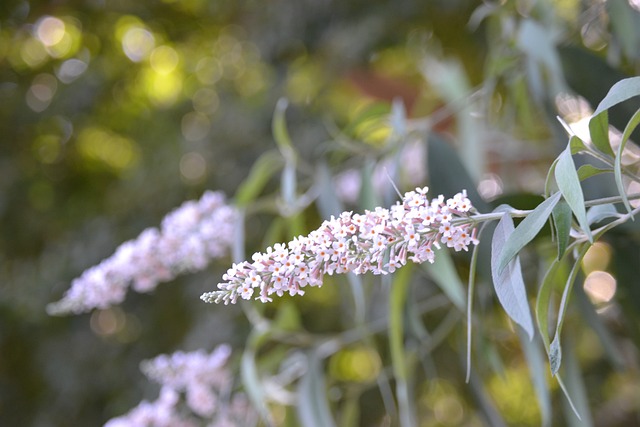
378, 241
187, 240
205, 382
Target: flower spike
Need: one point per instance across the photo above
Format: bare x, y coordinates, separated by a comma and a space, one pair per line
378, 241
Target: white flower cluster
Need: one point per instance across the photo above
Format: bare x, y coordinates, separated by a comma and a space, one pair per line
187, 240
206, 384
378, 241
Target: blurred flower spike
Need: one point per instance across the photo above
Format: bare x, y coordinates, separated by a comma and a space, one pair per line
189, 237
378, 241
206, 383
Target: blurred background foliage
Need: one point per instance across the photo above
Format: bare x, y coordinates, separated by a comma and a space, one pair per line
112, 113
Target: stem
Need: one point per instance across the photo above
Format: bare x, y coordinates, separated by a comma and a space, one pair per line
517, 213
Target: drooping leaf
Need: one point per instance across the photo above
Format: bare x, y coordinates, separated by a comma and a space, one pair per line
543, 300
328, 202
397, 301
446, 277
263, 169
577, 410
569, 185
525, 232
562, 224
509, 285
587, 171
281, 136
555, 349
599, 132
250, 377
313, 406
279, 127
619, 92
537, 373
617, 169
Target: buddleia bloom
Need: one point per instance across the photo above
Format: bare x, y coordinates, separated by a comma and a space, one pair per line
196, 387
187, 240
378, 241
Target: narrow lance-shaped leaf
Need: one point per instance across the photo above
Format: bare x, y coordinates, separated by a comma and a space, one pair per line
587, 171
569, 186
562, 224
619, 92
446, 277
599, 132
263, 169
313, 406
509, 284
526, 231
542, 317
537, 367
555, 349
397, 301
617, 169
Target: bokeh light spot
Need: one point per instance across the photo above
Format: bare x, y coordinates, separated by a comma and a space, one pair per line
50, 30
208, 71
600, 286
41, 92
137, 43
162, 89
47, 148
70, 70
33, 53
206, 101
107, 322
193, 167
596, 258
195, 126
164, 59
105, 147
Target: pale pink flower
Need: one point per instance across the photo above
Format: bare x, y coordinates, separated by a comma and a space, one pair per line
378, 241
198, 381
189, 237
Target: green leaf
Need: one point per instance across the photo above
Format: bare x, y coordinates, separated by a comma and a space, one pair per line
263, 169
401, 280
599, 131
569, 186
555, 349
576, 145
577, 412
281, 136
446, 277
250, 377
537, 373
619, 92
587, 171
525, 232
562, 223
328, 202
543, 301
617, 168
279, 127
509, 284
313, 406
